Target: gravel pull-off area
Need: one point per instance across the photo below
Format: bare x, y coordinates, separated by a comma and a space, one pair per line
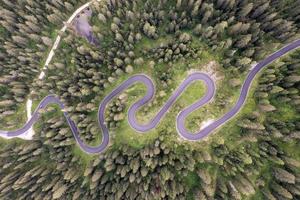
82, 26
143, 128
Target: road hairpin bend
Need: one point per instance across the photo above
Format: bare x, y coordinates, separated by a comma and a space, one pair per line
143, 128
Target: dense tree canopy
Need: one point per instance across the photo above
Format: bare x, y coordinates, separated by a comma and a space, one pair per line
255, 156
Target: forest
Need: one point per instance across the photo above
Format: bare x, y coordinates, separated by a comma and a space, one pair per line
254, 156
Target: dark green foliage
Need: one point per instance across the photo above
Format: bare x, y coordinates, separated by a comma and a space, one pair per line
257, 158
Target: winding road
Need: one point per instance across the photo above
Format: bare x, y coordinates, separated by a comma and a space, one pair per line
30, 132
143, 128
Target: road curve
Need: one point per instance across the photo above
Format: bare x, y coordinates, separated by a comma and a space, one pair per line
51, 99
30, 133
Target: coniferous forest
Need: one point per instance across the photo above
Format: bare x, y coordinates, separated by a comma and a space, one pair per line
254, 156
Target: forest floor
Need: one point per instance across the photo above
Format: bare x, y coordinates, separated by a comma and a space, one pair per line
208, 62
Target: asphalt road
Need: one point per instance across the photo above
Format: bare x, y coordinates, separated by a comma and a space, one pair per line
143, 128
